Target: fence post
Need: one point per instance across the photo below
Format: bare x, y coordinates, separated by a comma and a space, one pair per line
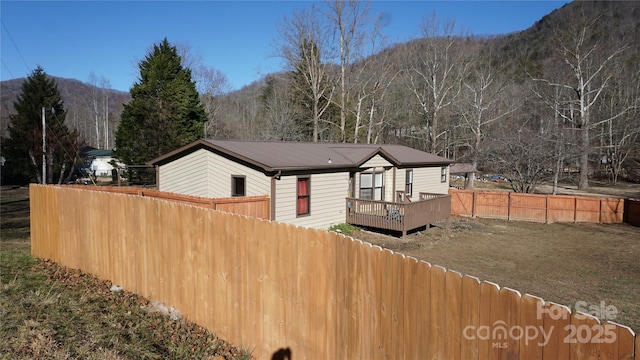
473, 203
546, 209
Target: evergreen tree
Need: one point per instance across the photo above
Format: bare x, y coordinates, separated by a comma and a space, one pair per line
22, 149
164, 113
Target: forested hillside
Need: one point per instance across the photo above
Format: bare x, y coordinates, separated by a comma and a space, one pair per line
91, 109
559, 99
555, 100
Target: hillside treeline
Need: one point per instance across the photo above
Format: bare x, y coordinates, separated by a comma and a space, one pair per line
560, 99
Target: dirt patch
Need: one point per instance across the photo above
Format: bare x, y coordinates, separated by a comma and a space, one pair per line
562, 263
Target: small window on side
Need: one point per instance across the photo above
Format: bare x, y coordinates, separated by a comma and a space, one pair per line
303, 192
238, 185
443, 174
408, 183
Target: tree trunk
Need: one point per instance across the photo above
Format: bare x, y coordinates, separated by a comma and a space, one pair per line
583, 183
64, 167
356, 128
556, 174
316, 123
469, 184
35, 165
49, 167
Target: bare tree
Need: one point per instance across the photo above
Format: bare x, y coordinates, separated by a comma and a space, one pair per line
105, 86
211, 84
99, 110
436, 78
95, 106
349, 19
373, 115
523, 156
588, 72
279, 112
484, 103
369, 81
620, 133
304, 43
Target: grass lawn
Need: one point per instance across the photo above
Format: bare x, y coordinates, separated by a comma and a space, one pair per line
51, 312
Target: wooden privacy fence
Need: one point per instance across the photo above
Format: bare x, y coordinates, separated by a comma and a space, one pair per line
268, 286
538, 208
254, 206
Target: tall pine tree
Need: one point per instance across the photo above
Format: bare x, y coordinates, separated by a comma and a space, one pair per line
22, 149
164, 113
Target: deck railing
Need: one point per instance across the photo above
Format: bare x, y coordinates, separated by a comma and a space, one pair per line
399, 216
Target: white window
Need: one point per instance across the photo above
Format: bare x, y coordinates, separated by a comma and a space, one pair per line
372, 186
408, 183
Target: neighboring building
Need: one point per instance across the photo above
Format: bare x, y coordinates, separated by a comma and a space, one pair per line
312, 184
467, 171
98, 162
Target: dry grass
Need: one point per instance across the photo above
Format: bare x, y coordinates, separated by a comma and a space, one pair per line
562, 263
51, 312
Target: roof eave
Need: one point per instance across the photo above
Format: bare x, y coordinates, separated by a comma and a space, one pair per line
204, 144
425, 164
379, 151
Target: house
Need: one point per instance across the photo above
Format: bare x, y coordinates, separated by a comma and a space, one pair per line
98, 162
316, 184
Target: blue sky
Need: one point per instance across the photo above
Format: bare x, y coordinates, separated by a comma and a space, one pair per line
72, 39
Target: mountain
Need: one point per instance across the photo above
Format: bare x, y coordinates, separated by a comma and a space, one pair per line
242, 114
79, 102
617, 24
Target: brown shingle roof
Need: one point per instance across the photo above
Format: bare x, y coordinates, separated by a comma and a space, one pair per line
283, 156
462, 168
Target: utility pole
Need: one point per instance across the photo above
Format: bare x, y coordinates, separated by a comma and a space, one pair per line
44, 144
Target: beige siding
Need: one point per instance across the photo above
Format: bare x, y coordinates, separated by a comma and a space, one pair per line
388, 185
424, 180
186, 175
203, 173
328, 193
220, 171
376, 161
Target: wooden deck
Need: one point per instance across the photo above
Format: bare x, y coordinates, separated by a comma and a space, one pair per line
399, 216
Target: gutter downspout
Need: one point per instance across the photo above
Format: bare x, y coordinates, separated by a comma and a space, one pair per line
273, 194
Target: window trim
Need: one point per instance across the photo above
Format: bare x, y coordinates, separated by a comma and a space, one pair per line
307, 196
234, 192
443, 174
373, 185
408, 182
